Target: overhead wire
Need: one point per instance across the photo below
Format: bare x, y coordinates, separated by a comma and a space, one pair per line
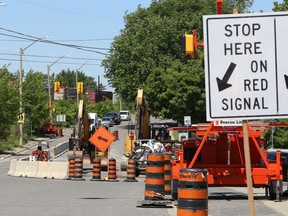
46, 56
36, 61
33, 38
67, 11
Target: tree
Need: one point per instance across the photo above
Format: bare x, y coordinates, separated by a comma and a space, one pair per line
68, 78
68, 108
280, 7
147, 55
35, 100
9, 100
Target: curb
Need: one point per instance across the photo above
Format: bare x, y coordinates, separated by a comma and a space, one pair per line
17, 150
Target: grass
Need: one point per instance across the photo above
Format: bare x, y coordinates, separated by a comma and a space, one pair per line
8, 144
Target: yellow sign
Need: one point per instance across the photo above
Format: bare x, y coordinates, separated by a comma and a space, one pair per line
21, 118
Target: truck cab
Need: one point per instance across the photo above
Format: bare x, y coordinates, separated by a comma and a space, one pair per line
93, 121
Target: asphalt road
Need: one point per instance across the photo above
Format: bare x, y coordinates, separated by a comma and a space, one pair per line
30, 196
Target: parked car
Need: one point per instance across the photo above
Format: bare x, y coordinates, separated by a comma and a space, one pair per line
125, 115
115, 117
107, 122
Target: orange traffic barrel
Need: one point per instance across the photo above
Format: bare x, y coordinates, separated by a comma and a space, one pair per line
131, 171
78, 170
154, 183
192, 192
112, 170
96, 172
167, 174
71, 168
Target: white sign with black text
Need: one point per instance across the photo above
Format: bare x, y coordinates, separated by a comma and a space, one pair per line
187, 120
246, 66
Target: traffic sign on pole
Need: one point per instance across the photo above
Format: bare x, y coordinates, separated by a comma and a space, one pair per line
102, 139
187, 120
246, 74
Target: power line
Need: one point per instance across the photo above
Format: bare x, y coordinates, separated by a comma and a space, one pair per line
67, 11
45, 56
33, 38
67, 40
46, 62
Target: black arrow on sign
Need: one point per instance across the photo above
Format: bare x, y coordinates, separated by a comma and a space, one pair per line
101, 138
223, 84
286, 80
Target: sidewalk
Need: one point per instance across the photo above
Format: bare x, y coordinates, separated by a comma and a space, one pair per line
17, 150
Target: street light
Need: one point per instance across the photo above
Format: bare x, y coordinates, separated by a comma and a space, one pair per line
77, 81
20, 88
48, 73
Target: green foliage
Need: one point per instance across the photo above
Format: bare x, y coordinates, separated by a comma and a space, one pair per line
147, 55
101, 108
9, 143
35, 100
168, 87
280, 6
279, 137
9, 100
68, 78
68, 108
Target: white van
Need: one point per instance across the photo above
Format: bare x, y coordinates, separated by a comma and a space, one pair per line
93, 119
125, 115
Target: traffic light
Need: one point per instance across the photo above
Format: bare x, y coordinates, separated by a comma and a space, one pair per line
187, 44
56, 86
80, 87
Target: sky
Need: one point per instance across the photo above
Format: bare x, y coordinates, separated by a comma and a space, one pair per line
88, 25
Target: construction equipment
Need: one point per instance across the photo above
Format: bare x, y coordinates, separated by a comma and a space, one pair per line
49, 129
141, 125
220, 150
147, 136
142, 116
79, 145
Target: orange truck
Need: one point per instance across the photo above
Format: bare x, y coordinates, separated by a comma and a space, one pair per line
219, 149
49, 129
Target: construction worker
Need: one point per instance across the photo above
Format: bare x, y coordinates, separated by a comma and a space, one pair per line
40, 154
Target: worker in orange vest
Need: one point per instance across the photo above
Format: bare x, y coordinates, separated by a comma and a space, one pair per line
40, 154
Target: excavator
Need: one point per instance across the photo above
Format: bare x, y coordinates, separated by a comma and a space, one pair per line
141, 124
140, 143
142, 116
79, 145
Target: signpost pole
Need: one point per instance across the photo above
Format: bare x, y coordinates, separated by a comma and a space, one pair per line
248, 167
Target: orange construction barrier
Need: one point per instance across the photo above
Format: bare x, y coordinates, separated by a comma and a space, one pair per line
192, 192
112, 170
154, 184
131, 171
71, 168
96, 176
167, 174
78, 169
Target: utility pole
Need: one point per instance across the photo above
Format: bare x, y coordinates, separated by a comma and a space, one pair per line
49, 90
21, 91
77, 81
20, 100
